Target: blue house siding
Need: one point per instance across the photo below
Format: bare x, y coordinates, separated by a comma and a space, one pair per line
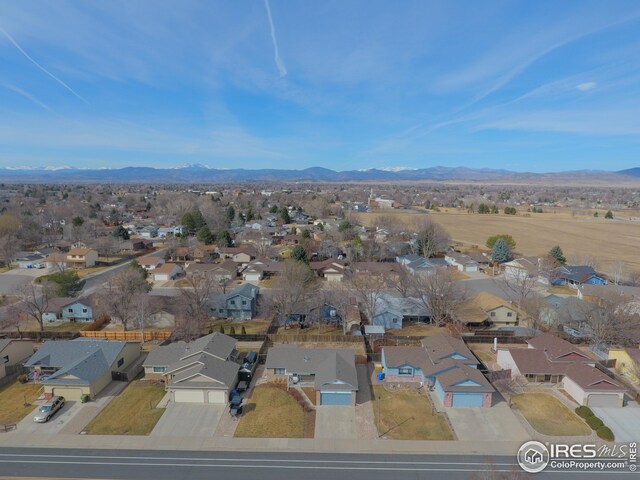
439, 390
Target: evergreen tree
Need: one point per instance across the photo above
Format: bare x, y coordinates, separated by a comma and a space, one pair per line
500, 252
68, 283
299, 253
483, 208
595, 214
306, 233
121, 232
249, 215
557, 255
284, 215
204, 235
230, 213
243, 331
608, 215
224, 239
273, 209
494, 209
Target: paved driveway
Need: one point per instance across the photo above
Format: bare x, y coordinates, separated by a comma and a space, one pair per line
53, 426
487, 424
623, 422
335, 422
188, 420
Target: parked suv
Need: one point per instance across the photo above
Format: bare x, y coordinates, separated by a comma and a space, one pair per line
46, 411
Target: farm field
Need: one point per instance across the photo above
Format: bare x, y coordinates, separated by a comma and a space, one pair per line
579, 236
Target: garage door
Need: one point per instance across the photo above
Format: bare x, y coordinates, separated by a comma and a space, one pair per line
467, 400
602, 400
73, 394
217, 396
335, 398
188, 396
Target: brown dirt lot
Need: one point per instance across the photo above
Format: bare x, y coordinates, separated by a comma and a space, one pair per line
607, 240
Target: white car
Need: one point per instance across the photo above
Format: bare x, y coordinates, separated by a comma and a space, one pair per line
48, 410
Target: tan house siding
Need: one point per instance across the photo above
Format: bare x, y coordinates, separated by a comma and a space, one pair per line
500, 316
18, 351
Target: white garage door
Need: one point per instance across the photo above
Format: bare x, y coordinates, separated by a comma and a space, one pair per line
217, 396
603, 400
188, 396
68, 393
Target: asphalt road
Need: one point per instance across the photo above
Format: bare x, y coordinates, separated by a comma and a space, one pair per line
169, 465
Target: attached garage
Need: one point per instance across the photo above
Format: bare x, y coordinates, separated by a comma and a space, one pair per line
69, 393
603, 400
467, 399
217, 396
188, 396
335, 398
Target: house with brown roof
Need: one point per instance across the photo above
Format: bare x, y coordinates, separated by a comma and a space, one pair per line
166, 272
331, 270
150, 262
550, 359
446, 365
241, 255
488, 309
81, 258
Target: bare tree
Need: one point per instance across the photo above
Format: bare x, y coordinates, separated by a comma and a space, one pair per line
404, 282
432, 238
616, 271
634, 278
613, 321
441, 294
294, 287
9, 245
533, 308
368, 290
12, 318
518, 286
34, 301
121, 292
195, 297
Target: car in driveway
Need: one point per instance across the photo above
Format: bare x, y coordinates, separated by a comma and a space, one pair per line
48, 409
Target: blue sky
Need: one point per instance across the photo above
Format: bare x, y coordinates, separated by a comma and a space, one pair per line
527, 86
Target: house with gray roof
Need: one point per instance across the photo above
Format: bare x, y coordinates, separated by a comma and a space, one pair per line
331, 372
239, 304
72, 368
203, 371
391, 312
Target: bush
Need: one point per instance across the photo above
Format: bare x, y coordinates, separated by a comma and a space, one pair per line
97, 325
22, 378
594, 422
605, 433
232, 331
244, 330
84, 398
221, 329
584, 412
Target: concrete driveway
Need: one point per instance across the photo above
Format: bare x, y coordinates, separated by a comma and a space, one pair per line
189, 420
497, 423
53, 426
623, 422
336, 422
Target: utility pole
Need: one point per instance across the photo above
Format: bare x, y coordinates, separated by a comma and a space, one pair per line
378, 416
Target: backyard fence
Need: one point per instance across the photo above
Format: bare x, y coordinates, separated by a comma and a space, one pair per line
131, 336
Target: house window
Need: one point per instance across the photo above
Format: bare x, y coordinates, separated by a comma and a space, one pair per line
159, 369
70, 310
244, 302
493, 314
222, 310
509, 314
232, 302
405, 371
120, 362
278, 371
84, 310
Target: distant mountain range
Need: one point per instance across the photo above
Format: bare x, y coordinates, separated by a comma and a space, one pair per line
199, 174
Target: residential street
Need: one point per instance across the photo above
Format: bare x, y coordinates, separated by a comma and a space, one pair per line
192, 465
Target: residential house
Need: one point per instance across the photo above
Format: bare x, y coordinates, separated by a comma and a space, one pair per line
150, 262
166, 272
81, 258
569, 314
77, 312
549, 359
421, 265
241, 255
221, 272
239, 304
488, 309
73, 368
259, 269
203, 371
331, 270
522, 268
446, 365
601, 294
573, 276
30, 260
13, 353
56, 261
627, 362
331, 372
149, 231
463, 262
391, 312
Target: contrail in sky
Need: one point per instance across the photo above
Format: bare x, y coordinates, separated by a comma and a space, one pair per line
25, 94
21, 50
281, 68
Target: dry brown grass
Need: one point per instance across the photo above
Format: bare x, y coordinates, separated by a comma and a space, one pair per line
607, 240
12, 399
252, 327
549, 416
417, 330
313, 330
407, 415
271, 413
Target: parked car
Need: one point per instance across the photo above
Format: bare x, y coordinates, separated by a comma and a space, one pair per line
48, 410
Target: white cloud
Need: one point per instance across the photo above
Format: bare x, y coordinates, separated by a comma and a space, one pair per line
585, 87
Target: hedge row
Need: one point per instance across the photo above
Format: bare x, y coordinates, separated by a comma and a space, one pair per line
595, 423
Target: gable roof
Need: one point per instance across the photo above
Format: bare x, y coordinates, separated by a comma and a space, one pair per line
591, 379
576, 273
246, 290
556, 348
221, 372
84, 359
451, 380
441, 346
216, 344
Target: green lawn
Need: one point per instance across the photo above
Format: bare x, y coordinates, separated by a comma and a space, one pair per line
549, 416
407, 415
271, 413
133, 412
12, 399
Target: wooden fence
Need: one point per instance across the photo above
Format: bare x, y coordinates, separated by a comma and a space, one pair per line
38, 335
130, 336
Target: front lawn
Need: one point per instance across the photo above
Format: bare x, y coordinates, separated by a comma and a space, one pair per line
133, 412
549, 416
407, 415
12, 399
271, 413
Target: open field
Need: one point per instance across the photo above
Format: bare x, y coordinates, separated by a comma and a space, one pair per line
548, 416
579, 236
133, 412
12, 399
407, 415
271, 412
